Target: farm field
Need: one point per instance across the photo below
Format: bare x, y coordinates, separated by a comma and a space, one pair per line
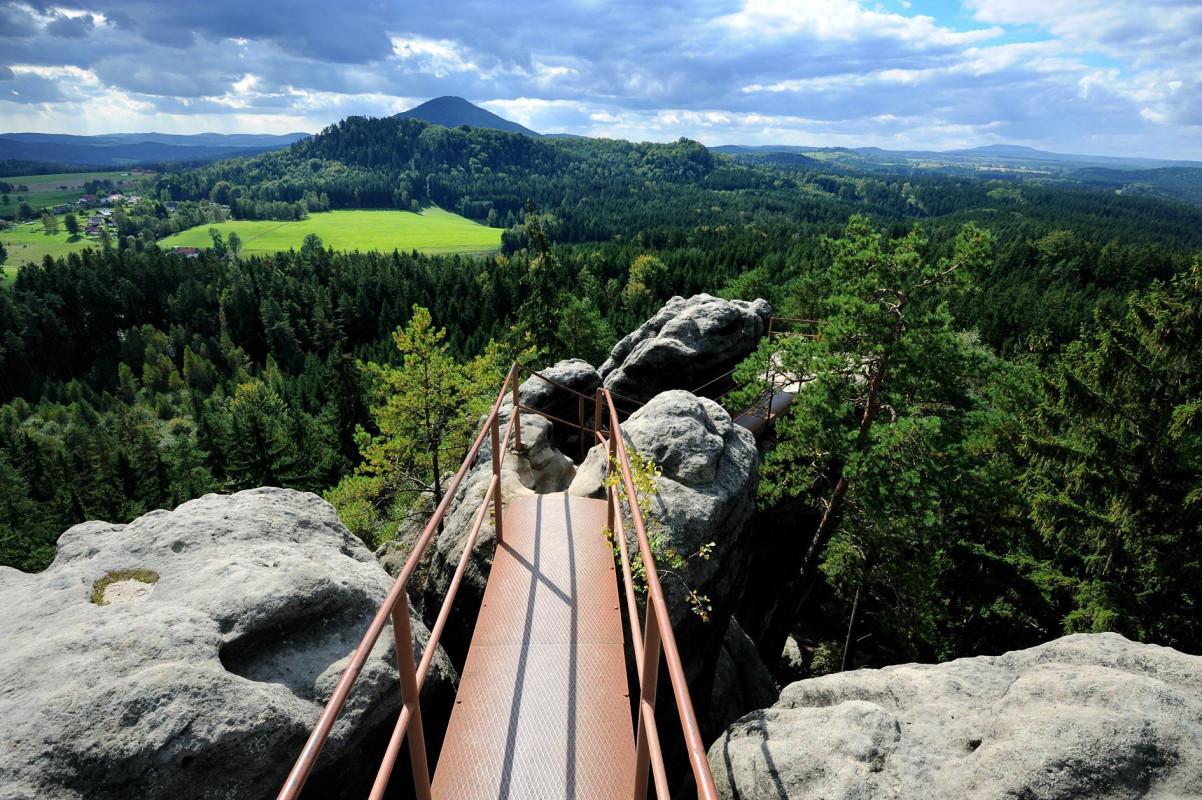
431, 231
48, 190
29, 244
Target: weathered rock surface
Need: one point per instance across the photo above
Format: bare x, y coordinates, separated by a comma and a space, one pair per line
687, 343
205, 685
741, 680
1085, 716
706, 494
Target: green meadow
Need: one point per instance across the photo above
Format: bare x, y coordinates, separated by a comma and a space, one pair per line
29, 244
431, 231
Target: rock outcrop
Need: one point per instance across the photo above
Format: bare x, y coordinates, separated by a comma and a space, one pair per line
1086, 716
188, 653
686, 344
706, 494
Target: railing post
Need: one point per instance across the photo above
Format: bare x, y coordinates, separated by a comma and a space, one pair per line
514, 374
409, 695
596, 418
650, 677
611, 457
580, 416
496, 472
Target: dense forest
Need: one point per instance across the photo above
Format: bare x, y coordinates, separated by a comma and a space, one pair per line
1035, 465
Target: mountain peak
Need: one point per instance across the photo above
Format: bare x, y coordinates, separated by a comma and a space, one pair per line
452, 112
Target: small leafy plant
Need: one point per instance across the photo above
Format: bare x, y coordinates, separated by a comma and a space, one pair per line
670, 564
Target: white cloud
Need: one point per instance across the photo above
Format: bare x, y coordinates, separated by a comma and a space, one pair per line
439, 57
841, 20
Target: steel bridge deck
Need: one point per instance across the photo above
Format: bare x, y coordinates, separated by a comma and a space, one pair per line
543, 709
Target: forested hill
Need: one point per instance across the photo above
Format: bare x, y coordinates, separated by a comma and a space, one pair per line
136, 380
481, 173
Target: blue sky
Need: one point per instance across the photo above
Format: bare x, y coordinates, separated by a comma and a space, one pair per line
1093, 76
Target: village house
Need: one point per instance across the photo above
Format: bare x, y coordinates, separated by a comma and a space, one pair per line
186, 252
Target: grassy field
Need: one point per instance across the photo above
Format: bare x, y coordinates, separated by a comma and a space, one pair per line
29, 244
431, 231
63, 187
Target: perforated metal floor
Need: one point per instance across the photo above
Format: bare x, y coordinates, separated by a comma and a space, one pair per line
755, 419
542, 709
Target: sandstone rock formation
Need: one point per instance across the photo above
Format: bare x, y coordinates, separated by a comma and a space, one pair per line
705, 495
687, 343
226, 624
1085, 716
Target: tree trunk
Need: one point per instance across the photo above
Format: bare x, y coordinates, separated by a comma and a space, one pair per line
851, 624
437, 485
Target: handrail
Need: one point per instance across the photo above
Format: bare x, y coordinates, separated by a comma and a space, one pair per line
567, 388
657, 636
396, 607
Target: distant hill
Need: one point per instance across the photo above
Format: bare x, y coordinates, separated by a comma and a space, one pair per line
128, 149
1021, 153
451, 112
1012, 155
1179, 183
761, 149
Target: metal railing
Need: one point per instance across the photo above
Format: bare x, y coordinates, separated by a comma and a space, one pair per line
653, 638
656, 636
763, 407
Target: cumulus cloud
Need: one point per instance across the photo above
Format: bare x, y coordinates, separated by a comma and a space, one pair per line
1090, 75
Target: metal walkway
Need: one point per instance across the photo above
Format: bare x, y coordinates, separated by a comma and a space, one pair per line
543, 709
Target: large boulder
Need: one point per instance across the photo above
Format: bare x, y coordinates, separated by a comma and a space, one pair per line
705, 496
1086, 716
188, 653
685, 345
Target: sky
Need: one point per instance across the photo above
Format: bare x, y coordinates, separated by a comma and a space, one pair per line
1119, 77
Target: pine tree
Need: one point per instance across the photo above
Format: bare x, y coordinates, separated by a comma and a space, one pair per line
260, 449
24, 543
426, 413
864, 438
1115, 476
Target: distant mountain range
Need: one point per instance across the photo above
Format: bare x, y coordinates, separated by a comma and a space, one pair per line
128, 149
1000, 155
452, 112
